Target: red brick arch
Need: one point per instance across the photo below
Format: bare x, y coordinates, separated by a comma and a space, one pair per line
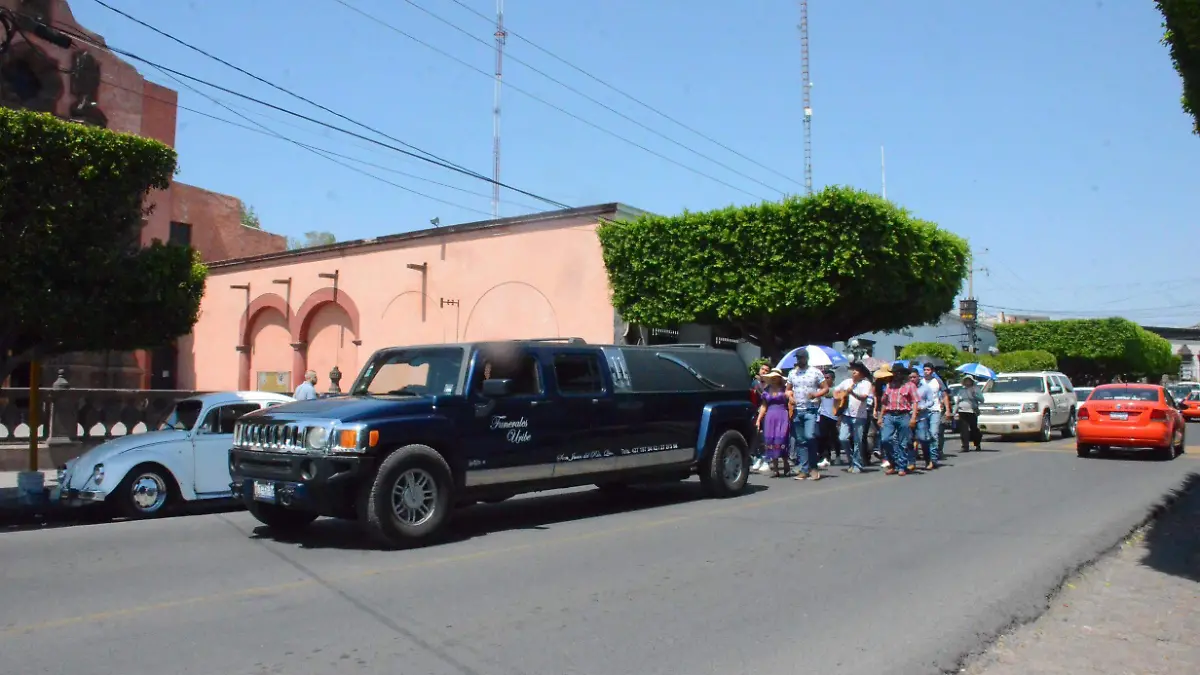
299, 323
262, 303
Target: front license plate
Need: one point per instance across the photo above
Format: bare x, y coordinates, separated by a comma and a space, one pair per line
264, 492
1118, 416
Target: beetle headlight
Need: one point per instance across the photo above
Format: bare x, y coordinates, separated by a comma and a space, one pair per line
98, 474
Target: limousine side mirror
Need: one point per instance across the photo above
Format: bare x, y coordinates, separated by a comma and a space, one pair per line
497, 388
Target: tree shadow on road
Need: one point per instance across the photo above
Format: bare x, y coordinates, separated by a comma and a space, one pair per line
537, 512
1173, 540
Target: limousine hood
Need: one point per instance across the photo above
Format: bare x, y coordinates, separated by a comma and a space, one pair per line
346, 408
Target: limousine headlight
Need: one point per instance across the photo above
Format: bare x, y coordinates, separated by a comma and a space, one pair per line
317, 439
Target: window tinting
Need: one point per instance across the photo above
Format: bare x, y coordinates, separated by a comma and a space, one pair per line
578, 374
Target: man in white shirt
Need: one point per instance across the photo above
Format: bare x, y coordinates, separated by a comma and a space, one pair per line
856, 389
807, 385
307, 391
938, 413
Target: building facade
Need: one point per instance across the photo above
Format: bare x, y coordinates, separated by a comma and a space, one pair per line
90, 85
267, 319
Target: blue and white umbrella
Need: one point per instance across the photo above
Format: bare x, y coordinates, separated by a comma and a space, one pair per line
977, 371
819, 356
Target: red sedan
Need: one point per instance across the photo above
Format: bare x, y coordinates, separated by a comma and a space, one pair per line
1129, 416
1191, 406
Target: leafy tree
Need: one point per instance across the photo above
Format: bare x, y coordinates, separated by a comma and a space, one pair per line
805, 270
73, 273
1023, 360
1181, 24
1094, 349
312, 239
249, 217
953, 356
758, 363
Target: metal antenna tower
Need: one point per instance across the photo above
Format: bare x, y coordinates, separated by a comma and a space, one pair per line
500, 40
808, 173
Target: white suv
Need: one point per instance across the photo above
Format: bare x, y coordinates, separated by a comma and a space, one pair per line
1028, 403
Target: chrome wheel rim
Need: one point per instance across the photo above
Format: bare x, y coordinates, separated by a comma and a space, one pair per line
148, 492
731, 465
1046, 427
414, 497
1072, 425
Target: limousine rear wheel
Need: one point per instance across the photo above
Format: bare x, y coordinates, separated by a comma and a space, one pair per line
725, 470
410, 496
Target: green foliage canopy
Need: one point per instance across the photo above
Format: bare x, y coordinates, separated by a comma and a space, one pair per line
1181, 24
249, 217
1094, 348
72, 270
1022, 360
805, 270
312, 239
953, 356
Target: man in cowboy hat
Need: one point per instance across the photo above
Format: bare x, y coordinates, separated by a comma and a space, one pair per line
897, 418
857, 391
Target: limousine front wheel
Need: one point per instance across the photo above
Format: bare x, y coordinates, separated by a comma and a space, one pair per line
410, 496
725, 471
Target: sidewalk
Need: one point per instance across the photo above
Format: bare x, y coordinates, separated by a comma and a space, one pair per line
1135, 611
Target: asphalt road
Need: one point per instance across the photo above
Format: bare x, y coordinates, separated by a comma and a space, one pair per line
854, 574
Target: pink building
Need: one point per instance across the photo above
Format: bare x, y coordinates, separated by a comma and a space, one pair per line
267, 319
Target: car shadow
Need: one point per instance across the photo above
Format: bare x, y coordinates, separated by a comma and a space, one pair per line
538, 512
21, 519
1173, 539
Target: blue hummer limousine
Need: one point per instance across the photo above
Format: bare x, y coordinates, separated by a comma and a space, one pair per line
427, 428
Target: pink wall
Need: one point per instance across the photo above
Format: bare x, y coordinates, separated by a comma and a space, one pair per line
537, 277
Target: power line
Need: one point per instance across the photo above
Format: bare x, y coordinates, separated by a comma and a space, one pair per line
594, 100
318, 153
435, 162
647, 106
423, 156
543, 101
1188, 308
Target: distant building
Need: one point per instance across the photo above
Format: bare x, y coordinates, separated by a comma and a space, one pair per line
1185, 343
950, 330
89, 85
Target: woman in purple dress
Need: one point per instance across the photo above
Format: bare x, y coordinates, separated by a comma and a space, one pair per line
773, 421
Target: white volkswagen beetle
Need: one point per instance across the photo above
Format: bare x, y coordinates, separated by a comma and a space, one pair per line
185, 459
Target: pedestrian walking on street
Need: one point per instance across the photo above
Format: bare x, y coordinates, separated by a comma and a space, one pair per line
967, 400
773, 415
929, 418
855, 415
827, 425
807, 385
756, 445
897, 421
307, 391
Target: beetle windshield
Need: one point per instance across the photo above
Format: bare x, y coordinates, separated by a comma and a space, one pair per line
183, 416
422, 371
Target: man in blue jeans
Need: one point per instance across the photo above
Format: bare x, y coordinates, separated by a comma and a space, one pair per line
897, 418
807, 385
857, 390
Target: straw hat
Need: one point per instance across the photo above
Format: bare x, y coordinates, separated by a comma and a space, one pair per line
884, 372
968, 378
774, 374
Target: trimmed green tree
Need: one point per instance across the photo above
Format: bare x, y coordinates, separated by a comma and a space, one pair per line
74, 274
1097, 349
1024, 360
805, 270
953, 356
1181, 34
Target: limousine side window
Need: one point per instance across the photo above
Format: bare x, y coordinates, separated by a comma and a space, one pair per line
578, 374
526, 380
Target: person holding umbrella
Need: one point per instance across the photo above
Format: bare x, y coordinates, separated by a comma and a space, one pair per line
967, 401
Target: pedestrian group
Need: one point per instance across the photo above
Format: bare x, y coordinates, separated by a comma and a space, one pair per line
806, 420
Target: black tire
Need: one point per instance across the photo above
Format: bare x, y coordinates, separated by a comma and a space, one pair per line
429, 478
278, 517
613, 488
723, 473
1044, 434
1069, 430
1177, 449
147, 491
1083, 450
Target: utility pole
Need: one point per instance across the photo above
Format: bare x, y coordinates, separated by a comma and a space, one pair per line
968, 308
804, 76
500, 40
883, 171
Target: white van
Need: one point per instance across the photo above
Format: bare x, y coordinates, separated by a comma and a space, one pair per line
1018, 404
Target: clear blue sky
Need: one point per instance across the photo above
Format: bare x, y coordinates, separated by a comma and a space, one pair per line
1047, 132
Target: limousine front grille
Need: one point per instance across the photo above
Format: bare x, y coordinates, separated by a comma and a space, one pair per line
274, 436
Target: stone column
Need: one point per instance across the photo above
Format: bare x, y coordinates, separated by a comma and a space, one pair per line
64, 413
244, 383
299, 363
335, 379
